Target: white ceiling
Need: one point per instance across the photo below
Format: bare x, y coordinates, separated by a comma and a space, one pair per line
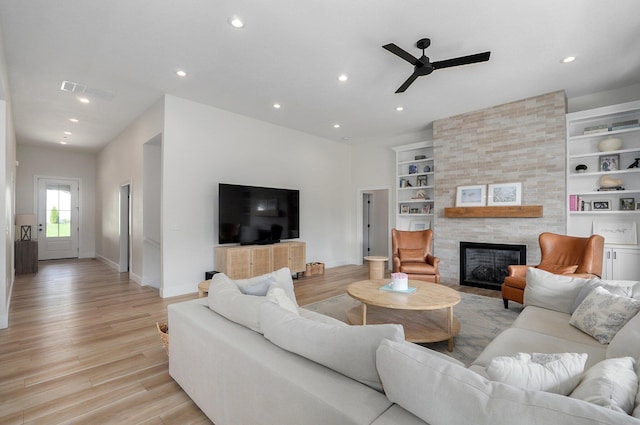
292, 51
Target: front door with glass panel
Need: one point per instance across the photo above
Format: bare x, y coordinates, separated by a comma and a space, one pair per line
57, 219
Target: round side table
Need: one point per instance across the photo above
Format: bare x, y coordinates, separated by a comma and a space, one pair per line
376, 266
203, 288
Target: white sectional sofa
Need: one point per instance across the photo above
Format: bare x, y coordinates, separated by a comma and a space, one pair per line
259, 359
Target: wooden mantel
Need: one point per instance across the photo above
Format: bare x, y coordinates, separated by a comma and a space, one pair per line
515, 211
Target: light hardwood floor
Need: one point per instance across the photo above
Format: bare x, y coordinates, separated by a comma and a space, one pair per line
82, 347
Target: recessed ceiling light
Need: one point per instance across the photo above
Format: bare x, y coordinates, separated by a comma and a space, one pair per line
343, 77
63, 143
84, 100
236, 22
568, 59
336, 126
73, 119
181, 73
399, 108
276, 105
67, 132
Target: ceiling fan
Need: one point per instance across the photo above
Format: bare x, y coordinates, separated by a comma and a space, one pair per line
423, 66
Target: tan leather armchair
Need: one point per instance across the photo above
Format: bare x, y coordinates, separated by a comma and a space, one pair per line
412, 254
568, 255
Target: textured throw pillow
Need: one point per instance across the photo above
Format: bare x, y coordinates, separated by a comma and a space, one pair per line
554, 373
603, 314
411, 255
610, 383
557, 268
551, 291
623, 291
349, 350
443, 393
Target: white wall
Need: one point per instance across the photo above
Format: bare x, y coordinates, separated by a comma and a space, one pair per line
204, 146
39, 161
118, 163
7, 199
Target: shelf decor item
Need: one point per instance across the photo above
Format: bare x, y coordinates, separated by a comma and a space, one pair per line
413, 169
420, 157
581, 168
627, 204
624, 233
609, 144
609, 162
601, 205
609, 183
505, 194
471, 196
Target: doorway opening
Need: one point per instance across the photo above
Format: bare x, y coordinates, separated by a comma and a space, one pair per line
373, 222
125, 228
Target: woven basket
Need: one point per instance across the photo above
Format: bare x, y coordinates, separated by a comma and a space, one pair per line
163, 330
314, 268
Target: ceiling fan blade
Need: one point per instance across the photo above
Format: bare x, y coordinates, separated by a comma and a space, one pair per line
462, 60
407, 83
401, 53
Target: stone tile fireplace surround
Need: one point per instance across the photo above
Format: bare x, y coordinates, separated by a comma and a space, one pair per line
522, 141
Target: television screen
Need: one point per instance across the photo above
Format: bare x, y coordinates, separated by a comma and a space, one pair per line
257, 215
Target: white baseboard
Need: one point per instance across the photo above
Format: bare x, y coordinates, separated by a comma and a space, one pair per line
4, 321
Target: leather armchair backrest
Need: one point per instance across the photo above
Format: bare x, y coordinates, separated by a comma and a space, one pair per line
404, 239
570, 250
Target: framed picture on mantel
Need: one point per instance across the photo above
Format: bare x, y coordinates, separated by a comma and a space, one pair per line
505, 194
471, 196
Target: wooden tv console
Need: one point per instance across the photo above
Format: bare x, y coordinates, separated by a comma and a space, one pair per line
245, 261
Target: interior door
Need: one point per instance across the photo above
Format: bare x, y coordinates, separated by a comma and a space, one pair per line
57, 219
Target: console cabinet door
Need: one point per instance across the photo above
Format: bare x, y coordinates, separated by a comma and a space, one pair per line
261, 260
280, 256
297, 257
621, 264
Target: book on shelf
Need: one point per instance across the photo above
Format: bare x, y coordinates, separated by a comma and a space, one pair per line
602, 128
624, 124
573, 202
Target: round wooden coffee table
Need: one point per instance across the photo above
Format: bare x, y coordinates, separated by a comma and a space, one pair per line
426, 314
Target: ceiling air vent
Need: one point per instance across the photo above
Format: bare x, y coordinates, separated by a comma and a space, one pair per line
70, 86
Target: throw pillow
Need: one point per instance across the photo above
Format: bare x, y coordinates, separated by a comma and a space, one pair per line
610, 383
551, 291
278, 296
281, 277
623, 291
349, 350
555, 373
259, 288
557, 268
602, 314
416, 255
636, 410
443, 393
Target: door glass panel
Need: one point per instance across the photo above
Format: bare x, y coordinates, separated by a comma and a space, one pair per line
58, 211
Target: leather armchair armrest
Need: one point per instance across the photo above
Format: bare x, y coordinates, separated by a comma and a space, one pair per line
518, 270
432, 260
396, 263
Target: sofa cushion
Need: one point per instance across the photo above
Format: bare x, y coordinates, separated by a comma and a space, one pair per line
551, 291
443, 393
611, 383
602, 314
350, 350
416, 255
258, 288
636, 409
557, 268
279, 297
627, 340
226, 297
557, 373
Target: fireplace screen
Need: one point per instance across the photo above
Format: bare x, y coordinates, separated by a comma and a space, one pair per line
485, 265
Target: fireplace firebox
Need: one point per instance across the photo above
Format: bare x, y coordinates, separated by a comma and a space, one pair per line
484, 265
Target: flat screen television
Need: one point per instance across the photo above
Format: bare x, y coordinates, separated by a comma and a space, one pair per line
257, 215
